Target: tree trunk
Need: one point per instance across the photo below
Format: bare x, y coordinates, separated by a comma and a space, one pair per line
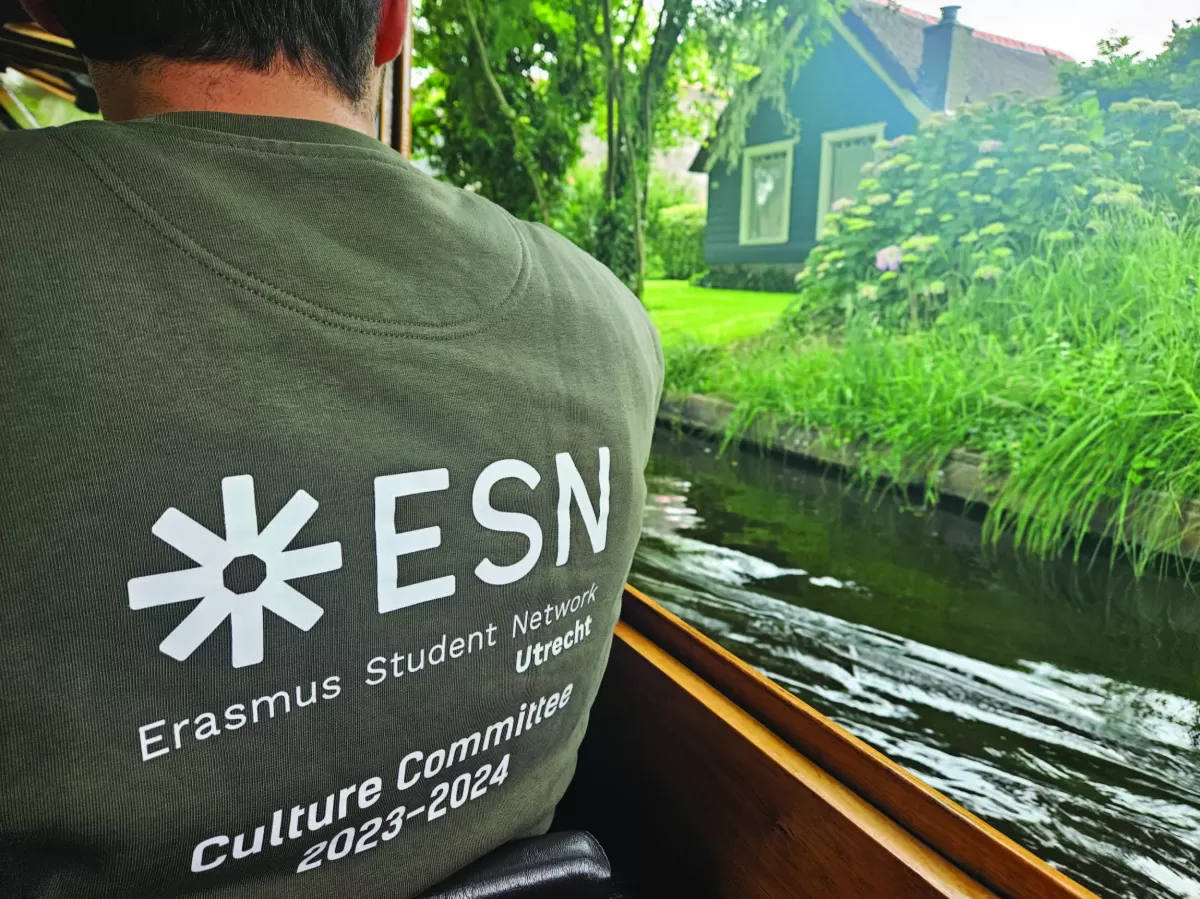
640, 178
522, 151
616, 227
611, 76
671, 21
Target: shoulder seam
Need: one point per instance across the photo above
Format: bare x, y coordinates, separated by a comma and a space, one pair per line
276, 295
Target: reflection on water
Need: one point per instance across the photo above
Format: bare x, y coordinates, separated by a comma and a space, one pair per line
1060, 703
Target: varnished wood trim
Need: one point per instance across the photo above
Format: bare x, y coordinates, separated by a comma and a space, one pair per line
947, 827
48, 83
776, 826
10, 104
31, 30
385, 115
403, 104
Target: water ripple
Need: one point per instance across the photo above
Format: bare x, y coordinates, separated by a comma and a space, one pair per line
1099, 776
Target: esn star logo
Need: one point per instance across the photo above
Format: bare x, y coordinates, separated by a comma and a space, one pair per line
239, 576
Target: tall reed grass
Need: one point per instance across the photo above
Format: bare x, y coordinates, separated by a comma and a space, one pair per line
1077, 376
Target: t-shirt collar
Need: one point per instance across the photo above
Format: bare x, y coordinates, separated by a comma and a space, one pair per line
268, 128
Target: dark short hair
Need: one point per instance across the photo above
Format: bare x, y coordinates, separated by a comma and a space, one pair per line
332, 37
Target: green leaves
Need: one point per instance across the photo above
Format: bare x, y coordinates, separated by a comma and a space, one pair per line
676, 241
544, 68
1058, 236
1119, 75
997, 187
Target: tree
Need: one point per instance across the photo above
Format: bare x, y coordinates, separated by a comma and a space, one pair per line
515, 80
748, 50
511, 86
1119, 74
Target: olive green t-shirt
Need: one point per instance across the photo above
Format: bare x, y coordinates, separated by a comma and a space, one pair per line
320, 481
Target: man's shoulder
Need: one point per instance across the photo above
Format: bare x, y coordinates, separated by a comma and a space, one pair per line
28, 152
586, 279
22, 139
585, 288
40, 180
574, 282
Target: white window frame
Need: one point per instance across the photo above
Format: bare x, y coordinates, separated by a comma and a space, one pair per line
744, 238
829, 140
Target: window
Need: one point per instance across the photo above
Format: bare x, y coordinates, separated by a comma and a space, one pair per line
843, 154
766, 193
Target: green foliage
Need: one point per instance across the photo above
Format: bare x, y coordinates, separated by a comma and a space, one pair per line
663, 191
576, 213
773, 278
1076, 376
676, 241
579, 210
542, 62
47, 108
617, 237
692, 364
955, 208
653, 72
650, 57
1119, 74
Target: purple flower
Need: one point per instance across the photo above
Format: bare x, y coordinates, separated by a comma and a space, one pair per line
889, 258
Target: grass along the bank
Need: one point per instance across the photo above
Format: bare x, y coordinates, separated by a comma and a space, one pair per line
682, 312
1077, 376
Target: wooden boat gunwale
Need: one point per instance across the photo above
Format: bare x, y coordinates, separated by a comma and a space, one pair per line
977, 848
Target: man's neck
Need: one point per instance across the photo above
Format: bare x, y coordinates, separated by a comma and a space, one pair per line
160, 86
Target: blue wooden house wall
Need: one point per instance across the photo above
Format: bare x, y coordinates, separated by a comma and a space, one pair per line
837, 89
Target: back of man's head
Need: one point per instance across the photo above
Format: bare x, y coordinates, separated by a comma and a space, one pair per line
330, 38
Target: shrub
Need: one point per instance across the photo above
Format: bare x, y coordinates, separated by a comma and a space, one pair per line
664, 192
772, 278
690, 363
677, 241
576, 215
964, 201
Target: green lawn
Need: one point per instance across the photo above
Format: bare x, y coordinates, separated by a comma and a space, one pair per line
681, 311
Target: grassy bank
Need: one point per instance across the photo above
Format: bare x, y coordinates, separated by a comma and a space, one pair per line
686, 313
1077, 376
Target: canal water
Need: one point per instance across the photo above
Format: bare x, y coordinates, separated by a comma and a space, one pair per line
1058, 702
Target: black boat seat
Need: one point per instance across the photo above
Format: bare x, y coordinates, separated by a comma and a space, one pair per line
566, 865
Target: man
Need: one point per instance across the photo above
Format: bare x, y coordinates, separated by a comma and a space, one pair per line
320, 478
